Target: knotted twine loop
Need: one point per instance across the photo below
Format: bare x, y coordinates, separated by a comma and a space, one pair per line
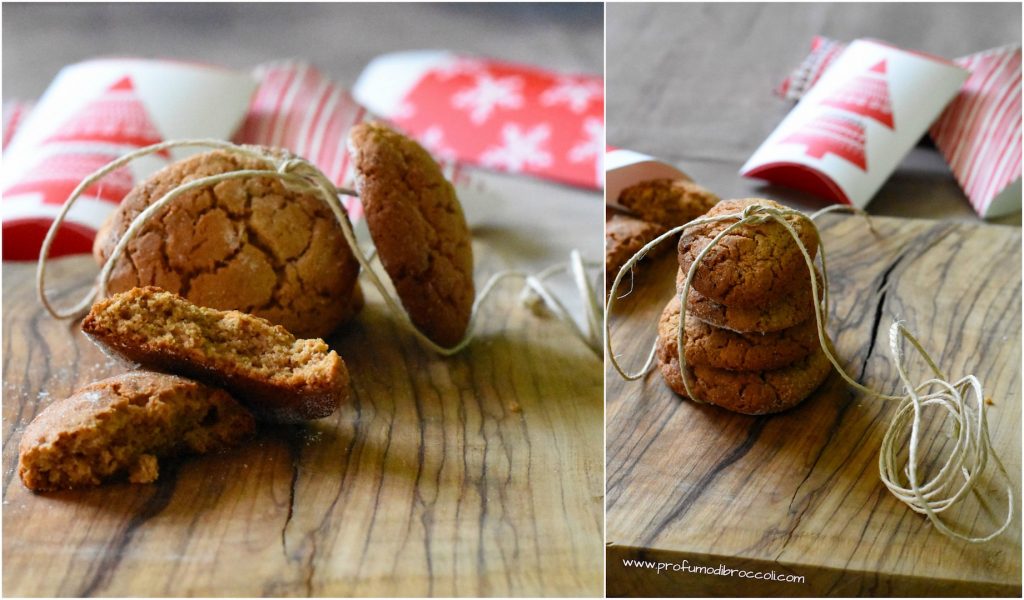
301, 176
962, 402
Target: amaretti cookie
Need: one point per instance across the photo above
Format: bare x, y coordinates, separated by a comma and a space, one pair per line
753, 392
754, 264
775, 314
249, 244
624, 236
707, 345
418, 228
667, 202
121, 426
278, 377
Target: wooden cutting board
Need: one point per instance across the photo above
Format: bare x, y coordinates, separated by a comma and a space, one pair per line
798, 493
477, 475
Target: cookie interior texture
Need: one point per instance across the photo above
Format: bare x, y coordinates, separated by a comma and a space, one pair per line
278, 377
418, 228
248, 244
121, 425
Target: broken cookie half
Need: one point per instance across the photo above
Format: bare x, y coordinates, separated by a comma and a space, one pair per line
275, 375
120, 426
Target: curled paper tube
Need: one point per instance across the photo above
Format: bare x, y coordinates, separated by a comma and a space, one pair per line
969, 457
301, 175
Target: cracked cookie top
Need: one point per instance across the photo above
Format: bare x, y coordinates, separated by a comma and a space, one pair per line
419, 230
754, 264
247, 244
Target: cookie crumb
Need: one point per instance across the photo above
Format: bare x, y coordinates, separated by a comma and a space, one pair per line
145, 470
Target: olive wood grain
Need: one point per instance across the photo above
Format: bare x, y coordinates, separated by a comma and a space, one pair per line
477, 475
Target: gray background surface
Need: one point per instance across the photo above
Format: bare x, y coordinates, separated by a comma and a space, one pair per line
693, 84
339, 38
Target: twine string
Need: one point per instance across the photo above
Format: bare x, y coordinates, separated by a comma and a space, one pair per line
962, 402
301, 176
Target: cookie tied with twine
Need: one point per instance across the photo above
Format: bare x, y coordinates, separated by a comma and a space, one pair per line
960, 403
251, 244
300, 177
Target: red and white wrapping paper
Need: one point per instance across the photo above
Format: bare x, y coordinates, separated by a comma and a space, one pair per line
979, 133
93, 113
97, 111
502, 116
626, 168
850, 131
14, 112
148, 101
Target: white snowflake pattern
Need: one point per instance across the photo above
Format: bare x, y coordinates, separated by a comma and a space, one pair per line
520, 147
487, 94
591, 147
460, 66
574, 92
433, 140
404, 111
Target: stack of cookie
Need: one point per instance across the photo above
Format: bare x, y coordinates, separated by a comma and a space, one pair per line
751, 338
654, 206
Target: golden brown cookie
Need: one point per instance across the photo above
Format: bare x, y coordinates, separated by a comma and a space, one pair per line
711, 346
279, 378
419, 230
121, 425
753, 265
244, 244
623, 237
667, 202
747, 392
785, 312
